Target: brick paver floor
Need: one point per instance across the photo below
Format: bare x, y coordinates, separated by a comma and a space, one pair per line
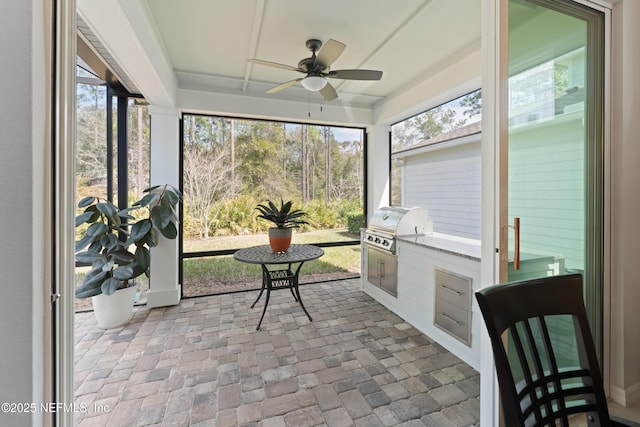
203, 363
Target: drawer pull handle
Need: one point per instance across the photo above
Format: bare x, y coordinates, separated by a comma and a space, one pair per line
453, 291
451, 319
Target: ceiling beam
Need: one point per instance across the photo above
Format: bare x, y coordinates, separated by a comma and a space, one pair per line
253, 41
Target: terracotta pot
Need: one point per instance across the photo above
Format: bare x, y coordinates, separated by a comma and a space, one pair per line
280, 239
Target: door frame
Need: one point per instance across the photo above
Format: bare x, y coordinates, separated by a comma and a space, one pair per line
494, 155
63, 104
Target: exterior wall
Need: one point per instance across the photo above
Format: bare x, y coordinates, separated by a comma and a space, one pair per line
534, 155
22, 180
446, 182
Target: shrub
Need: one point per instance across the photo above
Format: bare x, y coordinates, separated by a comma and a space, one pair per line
355, 221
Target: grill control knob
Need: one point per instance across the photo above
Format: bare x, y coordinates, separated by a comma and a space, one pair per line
377, 240
369, 238
385, 243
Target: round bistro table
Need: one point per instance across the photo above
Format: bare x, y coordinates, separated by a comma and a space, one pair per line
279, 278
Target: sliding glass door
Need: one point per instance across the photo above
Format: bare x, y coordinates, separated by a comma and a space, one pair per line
555, 146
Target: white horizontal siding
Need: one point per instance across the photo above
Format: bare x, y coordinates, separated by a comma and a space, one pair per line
546, 189
447, 183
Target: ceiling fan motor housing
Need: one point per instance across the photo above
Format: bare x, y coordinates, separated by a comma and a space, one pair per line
314, 45
310, 65
317, 69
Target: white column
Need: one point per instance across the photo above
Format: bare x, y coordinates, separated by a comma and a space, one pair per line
165, 156
377, 167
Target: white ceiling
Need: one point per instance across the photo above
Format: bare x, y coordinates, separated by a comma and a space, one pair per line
208, 42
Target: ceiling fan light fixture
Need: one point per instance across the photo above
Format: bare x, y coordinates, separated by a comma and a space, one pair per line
314, 83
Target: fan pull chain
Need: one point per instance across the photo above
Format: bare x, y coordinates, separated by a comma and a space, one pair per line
309, 104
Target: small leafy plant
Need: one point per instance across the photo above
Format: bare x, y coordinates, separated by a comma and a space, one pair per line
282, 216
112, 232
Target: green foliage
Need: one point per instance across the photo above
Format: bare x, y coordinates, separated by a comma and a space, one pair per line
237, 217
281, 216
437, 121
321, 216
472, 103
113, 264
355, 221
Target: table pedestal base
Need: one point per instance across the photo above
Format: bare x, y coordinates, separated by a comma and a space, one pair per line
279, 279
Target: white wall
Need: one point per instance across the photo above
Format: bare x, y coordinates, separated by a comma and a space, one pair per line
22, 179
446, 181
625, 205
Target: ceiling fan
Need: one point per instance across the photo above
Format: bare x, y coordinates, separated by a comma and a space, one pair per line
317, 69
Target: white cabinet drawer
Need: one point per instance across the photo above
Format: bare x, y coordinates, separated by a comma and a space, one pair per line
453, 319
453, 288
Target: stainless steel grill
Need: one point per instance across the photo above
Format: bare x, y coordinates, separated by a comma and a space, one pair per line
389, 222
380, 238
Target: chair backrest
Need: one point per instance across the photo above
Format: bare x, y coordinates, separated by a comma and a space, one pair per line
546, 363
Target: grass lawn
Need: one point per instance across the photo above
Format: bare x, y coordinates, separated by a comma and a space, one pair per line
210, 275
219, 274
237, 242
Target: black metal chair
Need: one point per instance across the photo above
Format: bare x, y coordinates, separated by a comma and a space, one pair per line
547, 367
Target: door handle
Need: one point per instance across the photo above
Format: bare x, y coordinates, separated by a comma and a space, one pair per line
516, 245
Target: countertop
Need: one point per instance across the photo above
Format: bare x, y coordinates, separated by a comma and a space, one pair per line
460, 246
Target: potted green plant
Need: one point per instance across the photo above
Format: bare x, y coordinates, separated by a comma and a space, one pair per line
116, 246
285, 219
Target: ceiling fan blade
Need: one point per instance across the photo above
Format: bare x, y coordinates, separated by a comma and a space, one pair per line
274, 64
328, 92
284, 85
355, 74
329, 52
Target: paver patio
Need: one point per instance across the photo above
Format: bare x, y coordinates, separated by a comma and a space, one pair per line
203, 363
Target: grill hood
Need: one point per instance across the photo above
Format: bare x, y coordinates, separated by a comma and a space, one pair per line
397, 221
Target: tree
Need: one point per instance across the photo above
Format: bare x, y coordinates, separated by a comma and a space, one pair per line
305, 162
472, 103
326, 133
206, 174
91, 152
138, 149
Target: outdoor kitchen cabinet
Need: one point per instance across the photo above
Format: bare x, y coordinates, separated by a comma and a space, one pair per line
453, 304
382, 270
415, 302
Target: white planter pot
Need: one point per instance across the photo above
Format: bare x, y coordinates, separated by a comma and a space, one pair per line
114, 310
